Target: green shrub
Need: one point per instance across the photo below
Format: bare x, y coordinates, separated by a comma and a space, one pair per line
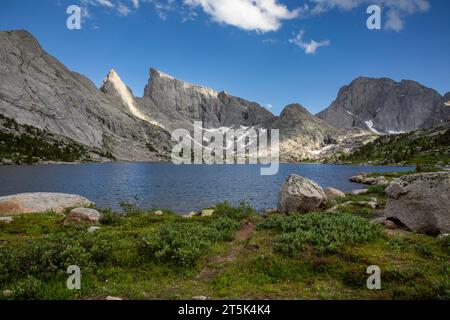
110, 218
49, 256
184, 243
27, 289
326, 232
240, 212
396, 244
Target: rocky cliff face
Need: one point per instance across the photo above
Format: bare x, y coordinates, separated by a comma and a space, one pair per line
187, 103
384, 106
37, 90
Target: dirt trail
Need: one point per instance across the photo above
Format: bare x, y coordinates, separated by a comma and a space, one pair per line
236, 247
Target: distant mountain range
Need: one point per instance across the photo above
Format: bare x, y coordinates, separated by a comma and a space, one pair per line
37, 90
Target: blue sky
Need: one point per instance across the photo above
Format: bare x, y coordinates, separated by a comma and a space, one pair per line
259, 50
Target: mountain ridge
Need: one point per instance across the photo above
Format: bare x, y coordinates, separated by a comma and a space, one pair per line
38, 90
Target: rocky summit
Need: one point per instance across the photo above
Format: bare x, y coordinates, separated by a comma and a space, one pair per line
386, 106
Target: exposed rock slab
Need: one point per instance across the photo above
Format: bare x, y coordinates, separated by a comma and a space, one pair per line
40, 202
421, 202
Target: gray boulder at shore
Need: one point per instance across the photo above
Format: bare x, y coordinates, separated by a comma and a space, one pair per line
421, 202
40, 202
300, 195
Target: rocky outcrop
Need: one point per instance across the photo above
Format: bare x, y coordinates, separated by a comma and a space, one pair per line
332, 193
300, 195
364, 179
383, 106
83, 215
40, 202
421, 202
301, 133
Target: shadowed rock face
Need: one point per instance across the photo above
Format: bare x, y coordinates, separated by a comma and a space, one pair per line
421, 202
383, 105
441, 113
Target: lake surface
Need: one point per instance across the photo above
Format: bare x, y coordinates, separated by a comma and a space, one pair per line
180, 188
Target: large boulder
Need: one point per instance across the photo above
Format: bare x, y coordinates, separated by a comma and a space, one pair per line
300, 195
421, 202
84, 214
40, 202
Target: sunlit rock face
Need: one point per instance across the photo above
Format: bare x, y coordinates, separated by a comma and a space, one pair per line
383, 106
191, 103
114, 85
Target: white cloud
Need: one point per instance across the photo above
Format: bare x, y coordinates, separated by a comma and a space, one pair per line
395, 10
118, 6
122, 9
309, 47
105, 3
255, 15
135, 3
264, 15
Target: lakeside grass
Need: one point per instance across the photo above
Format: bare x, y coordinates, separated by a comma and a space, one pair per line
137, 255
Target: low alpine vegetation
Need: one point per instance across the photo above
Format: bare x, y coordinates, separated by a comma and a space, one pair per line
325, 232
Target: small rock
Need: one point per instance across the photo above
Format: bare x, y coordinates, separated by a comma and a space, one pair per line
270, 211
93, 229
7, 162
382, 221
389, 224
333, 209
84, 214
371, 204
7, 293
158, 213
358, 192
111, 298
6, 219
332, 193
200, 298
190, 215
381, 181
207, 213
